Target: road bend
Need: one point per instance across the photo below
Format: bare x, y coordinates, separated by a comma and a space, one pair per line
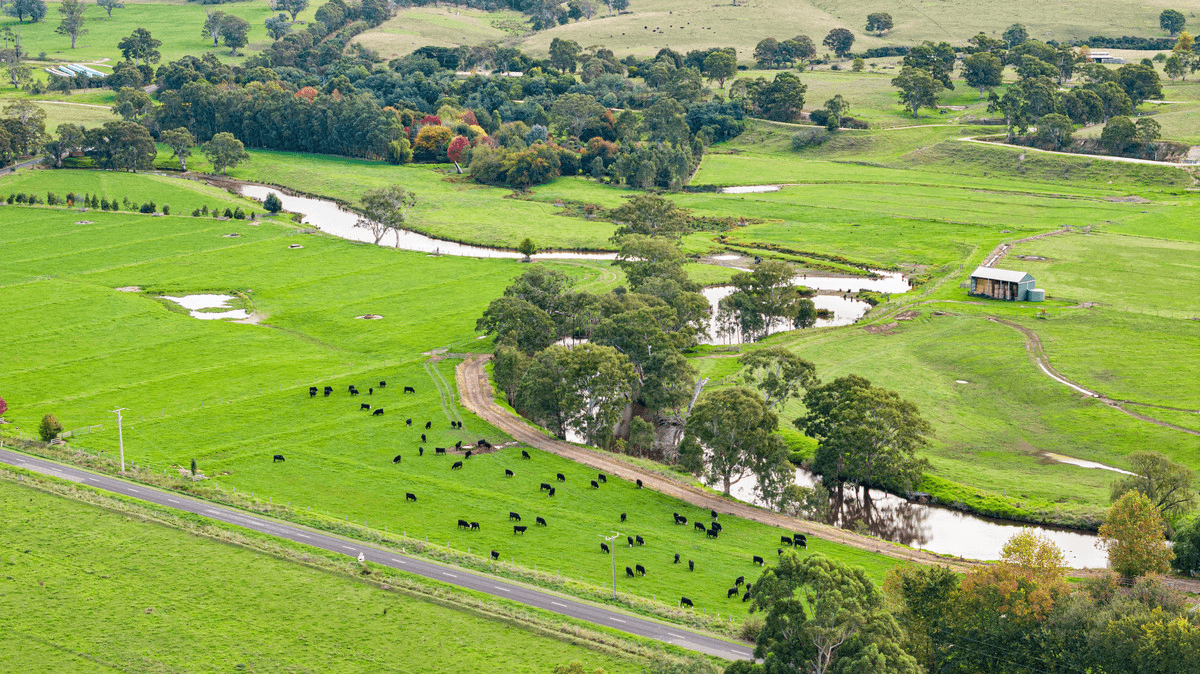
451, 575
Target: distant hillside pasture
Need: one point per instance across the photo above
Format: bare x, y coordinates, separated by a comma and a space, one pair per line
438, 26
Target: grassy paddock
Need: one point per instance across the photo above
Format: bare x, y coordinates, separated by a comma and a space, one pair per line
447, 26
182, 195
158, 598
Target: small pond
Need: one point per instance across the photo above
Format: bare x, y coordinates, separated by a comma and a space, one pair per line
750, 189
196, 304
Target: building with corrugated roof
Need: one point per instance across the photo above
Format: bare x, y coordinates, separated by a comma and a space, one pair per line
1005, 284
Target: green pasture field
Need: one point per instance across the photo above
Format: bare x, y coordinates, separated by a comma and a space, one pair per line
182, 195
743, 25
99, 590
90, 115
445, 26
232, 395
177, 24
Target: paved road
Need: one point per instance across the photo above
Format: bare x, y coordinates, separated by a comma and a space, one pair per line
453, 575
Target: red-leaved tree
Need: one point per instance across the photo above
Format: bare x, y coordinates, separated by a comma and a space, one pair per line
3, 407
431, 119
455, 150
469, 118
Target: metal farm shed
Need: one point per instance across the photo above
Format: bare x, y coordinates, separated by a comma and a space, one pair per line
1005, 284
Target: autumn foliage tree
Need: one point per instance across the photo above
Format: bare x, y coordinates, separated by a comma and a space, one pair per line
1132, 534
3, 407
454, 152
432, 142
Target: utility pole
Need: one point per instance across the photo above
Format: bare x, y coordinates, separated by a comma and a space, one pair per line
612, 549
120, 436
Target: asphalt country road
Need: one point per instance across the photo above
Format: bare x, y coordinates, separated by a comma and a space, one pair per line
452, 575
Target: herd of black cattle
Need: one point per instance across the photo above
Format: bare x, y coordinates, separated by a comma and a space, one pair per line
713, 530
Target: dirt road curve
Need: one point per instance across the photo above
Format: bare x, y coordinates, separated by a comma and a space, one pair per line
476, 393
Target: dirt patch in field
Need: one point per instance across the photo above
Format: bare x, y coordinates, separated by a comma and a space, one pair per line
369, 317
129, 289
907, 315
881, 329
1084, 305
1131, 199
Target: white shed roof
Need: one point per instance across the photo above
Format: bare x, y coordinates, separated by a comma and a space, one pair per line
1000, 274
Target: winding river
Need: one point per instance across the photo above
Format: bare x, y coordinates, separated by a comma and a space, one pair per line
935, 528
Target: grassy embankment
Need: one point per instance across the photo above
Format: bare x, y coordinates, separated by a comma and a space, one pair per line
104, 587
233, 395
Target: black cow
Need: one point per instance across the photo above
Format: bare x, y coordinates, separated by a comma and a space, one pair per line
551, 492
676, 558
428, 425
602, 477
312, 391
382, 384
640, 569
483, 443
408, 422
474, 526
717, 526
630, 539
508, 473
495, 555
545, 486
699, 526
691, 565
456, 465
353, 391
517, 529
439, 450
463, 524
467, 455
604, 547
639, 484
277, 457
713, 533
513, 516
409, 496
420, 451
801, 540
684, 601
779, 551
740, 580
370, 391
786, 540
713, 513
746, 597
458, 445
423, 438
397, 459
364, 406
595, 484
524, 454
622, 517
758, 560
542, 521
680, 519
628, 572
639, 539
732, 592
409, 389
377, 413
328, 390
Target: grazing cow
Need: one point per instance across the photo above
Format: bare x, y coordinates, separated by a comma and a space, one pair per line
397, 459
353, 392
595, 484
758, 560
350, 388
456, 465
680, 519
717, 526
545, 487
639, 539
458, 445
364, 406
640, 569
740, 580
482, 443
800, 540
408, 422
382, 384
630, 539
474, 526
691, 565
328, 390
277, 457
467, 455
732, 592
518, 529
377, 413
542, 521
684, 601
628, 572
524, 454
786, 540
439, 450
639, 484
409, 389
551, 492
423, 438
495, 555
713, 533
370, 391
312, 391
463, 524
602, 477
622, 517
428, 425
746, 597
676, 558
508, 473
604, 547
748, 586
513, 516
420, 451
699, 526
409, 496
